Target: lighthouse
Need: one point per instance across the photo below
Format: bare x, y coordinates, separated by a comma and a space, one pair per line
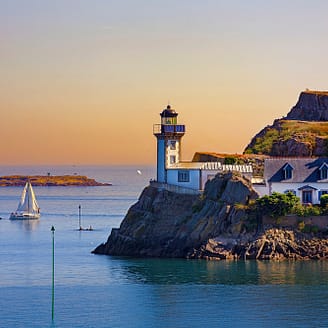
168, 135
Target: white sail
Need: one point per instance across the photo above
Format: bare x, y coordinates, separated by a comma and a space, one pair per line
28, 207
22, 206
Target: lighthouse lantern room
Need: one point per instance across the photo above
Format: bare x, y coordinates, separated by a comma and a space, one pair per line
168, 135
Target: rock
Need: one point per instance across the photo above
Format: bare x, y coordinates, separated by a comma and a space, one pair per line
291, 147
303, 132
212, 226
167, 224
272, 244
311, 106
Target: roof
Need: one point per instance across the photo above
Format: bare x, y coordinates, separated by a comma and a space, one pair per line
304, 169
169, 112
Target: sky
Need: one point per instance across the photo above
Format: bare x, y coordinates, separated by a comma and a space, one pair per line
83, 82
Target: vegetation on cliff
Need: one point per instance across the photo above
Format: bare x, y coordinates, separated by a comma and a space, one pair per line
291, 138
303, 132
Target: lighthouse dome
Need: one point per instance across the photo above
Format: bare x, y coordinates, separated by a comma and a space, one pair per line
169, 112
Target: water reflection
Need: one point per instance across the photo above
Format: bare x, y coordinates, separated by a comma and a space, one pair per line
27, 225
179, 271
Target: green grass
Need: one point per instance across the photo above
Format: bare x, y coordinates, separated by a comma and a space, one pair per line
284, 130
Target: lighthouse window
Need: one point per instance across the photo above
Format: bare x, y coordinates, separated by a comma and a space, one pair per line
183, 176
172, 159
173, 144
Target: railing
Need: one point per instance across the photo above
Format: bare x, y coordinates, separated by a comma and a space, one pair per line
174, 188
169, 128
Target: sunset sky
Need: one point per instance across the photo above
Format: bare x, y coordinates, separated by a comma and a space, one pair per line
83, 82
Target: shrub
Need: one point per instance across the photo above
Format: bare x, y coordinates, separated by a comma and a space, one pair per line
308, 210
324, 200
277, 204
229, 160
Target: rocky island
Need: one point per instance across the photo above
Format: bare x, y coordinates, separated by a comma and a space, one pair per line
220, 222
48, 180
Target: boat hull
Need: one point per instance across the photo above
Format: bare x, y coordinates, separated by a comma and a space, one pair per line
24, 216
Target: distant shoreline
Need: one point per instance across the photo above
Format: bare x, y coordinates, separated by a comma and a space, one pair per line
49, 180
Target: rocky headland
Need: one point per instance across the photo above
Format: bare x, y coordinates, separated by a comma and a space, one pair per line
220, 223
215, 225
303, 132
49, 180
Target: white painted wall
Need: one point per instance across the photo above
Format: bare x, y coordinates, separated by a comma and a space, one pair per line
172, 178
262, 190
282, 187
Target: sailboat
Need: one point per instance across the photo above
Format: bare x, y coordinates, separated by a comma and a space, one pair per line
28, 208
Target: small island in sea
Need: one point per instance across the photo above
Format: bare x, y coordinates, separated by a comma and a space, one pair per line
49, 180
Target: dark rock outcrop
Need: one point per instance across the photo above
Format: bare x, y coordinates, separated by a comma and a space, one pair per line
311, 106
213, 226
166, 224
272, 244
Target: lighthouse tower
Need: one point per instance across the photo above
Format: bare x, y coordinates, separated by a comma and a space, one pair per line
168, 135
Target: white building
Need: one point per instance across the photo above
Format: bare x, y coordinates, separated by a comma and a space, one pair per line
174, 172
307, 178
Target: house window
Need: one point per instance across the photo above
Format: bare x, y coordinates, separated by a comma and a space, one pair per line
288, 173
172, 159
183, 176
324, 172
173, 145
307, 196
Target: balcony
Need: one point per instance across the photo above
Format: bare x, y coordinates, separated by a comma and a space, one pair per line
169, 129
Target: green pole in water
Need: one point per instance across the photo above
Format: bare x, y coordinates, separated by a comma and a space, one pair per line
80, 227
53, 273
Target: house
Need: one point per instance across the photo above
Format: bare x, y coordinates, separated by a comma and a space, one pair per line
171, 170
307, 178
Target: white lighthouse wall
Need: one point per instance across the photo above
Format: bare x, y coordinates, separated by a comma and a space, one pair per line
161, 160
194, 178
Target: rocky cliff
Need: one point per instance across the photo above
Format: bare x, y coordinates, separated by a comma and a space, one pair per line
167, 224
311, 106
303, 132
215, 225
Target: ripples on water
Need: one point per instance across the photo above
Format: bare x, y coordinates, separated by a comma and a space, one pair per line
102, 291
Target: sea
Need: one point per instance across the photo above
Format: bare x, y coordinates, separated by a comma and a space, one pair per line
105, 291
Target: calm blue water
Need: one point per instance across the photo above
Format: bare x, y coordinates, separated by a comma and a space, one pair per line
103, 291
